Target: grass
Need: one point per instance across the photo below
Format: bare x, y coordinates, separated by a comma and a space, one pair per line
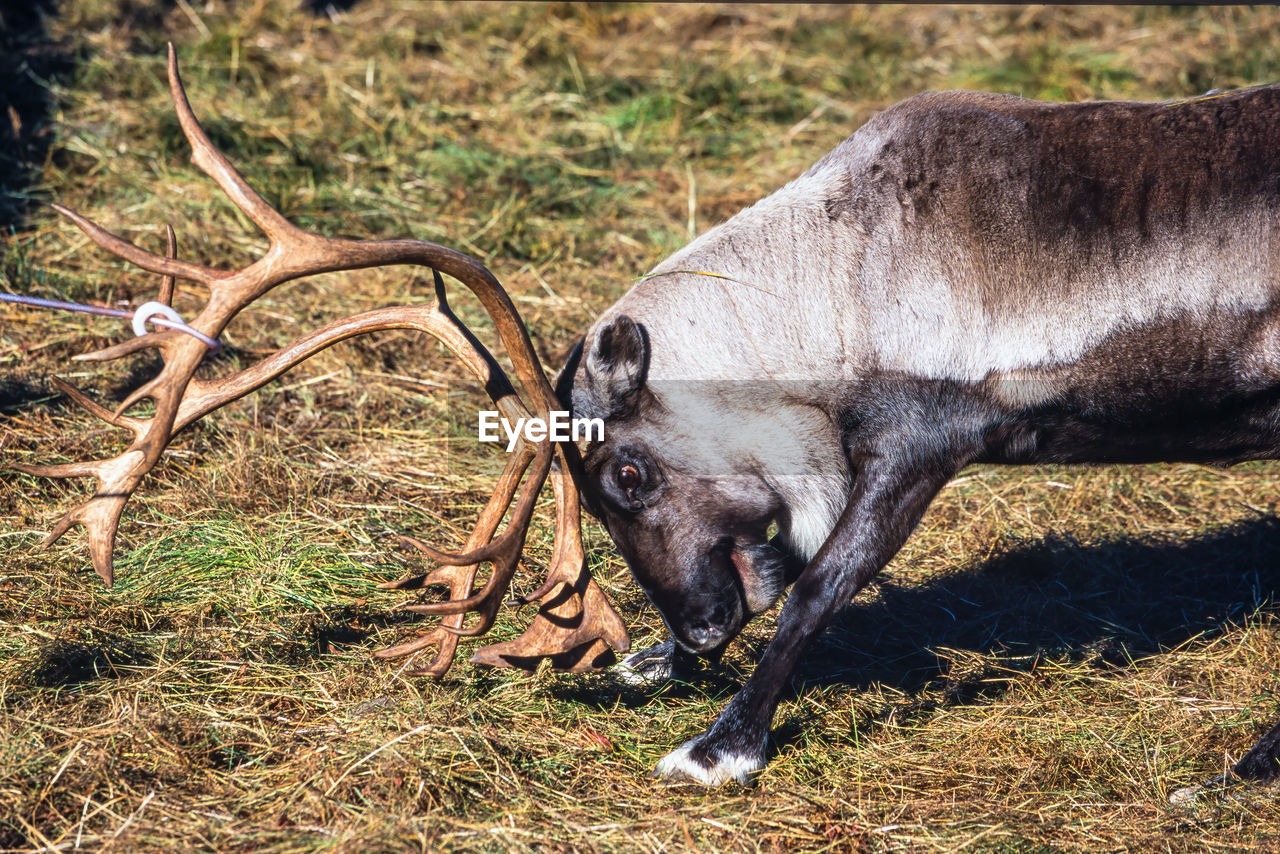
1056, 650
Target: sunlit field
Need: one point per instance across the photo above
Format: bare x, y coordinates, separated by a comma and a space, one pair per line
1054, 653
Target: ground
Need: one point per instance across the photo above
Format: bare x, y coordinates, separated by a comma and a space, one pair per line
1054, 653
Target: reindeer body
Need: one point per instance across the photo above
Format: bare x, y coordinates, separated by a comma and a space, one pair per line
967, 278
1098, 258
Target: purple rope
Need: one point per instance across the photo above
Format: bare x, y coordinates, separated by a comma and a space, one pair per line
39, 302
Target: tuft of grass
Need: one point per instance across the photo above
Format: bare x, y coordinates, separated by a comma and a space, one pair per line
1056, 650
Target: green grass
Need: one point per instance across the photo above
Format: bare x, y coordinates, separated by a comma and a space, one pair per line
1054, 652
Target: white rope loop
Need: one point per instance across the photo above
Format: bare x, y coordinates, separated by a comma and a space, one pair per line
151, 312
148, 310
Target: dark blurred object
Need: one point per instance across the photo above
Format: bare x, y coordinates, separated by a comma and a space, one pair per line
29, 59
332, 8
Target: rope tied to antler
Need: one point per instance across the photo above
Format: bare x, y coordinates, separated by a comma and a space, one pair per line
154, 312
575, 626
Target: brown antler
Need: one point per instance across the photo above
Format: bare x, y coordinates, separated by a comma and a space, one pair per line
575, 625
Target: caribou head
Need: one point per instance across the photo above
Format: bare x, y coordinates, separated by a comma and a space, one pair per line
715, 498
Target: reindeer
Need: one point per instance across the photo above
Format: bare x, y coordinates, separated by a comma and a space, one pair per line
967, 278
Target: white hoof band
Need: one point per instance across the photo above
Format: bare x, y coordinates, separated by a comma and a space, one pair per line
642, 668
680, 766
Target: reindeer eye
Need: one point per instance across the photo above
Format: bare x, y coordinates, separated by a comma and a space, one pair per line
628, 477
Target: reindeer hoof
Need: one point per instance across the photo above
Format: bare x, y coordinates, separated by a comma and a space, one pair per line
693, 764
1192, 796
651, 666
1260, 766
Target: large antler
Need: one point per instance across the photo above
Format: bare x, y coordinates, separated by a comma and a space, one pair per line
575, 625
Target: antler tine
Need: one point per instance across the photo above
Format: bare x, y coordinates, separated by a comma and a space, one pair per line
508, 546
180, 399
508, 482
101, 519
115, 419
214, 163
503, 552
81, 469
171, 251
575, 626
124, 348
100, 515
138, 256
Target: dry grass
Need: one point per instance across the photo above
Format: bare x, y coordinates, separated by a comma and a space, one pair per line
1054, 653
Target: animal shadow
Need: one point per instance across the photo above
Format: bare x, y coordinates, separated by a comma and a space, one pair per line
1109, 603
1112, 602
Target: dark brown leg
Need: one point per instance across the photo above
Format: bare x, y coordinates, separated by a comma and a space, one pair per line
1262, 763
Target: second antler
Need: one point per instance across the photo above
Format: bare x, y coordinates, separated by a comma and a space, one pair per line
575, 626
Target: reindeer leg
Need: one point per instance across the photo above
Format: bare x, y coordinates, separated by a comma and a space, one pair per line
1262, 763
896, 481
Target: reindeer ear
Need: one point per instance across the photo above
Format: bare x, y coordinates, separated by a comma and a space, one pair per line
564, 379
613, 370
